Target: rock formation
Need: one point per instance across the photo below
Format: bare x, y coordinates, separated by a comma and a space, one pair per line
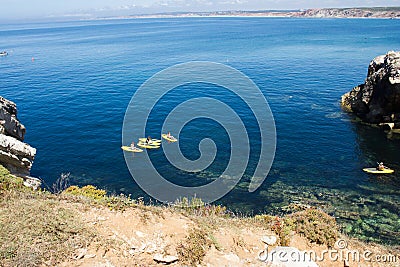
377, 100
366, 12
15, 155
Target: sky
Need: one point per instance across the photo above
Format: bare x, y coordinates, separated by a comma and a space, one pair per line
25, 9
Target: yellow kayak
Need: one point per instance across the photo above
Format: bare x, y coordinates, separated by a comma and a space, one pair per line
375, 171
155, 141
129, 149
144, 145
171, 139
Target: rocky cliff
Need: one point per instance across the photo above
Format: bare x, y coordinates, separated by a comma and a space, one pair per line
373, 12
356, 12
377, 100
15, 155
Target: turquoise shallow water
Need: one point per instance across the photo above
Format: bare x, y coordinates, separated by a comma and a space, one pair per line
72, 99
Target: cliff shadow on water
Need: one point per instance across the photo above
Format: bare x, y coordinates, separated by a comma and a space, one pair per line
376, 145
373, 205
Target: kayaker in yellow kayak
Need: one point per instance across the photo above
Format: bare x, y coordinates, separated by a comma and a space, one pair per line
148, 140
169, 137
133, 145
381, 167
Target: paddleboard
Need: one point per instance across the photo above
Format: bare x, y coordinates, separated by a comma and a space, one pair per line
375, 171
144, 145
171, 139
129, 149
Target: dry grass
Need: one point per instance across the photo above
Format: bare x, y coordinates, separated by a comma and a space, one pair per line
44, 229
193, 249
35, 228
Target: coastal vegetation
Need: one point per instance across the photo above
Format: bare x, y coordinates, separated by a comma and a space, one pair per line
85, 225
36, 228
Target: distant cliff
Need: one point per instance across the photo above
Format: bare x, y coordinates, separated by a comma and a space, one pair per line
361, 12
377, 100
373, 12
15, 155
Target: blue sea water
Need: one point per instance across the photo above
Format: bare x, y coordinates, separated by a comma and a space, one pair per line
72, 82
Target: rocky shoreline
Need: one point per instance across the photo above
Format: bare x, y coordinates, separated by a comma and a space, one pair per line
362, 12
15, 155
374, 12
377, 100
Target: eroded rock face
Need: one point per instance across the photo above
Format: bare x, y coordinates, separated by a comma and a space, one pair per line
15, 155
9, 124
377, 100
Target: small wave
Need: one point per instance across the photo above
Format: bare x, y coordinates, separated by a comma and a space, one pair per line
286, 97
334, 115
315, 106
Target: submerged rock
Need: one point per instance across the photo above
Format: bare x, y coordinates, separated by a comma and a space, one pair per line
15, 155
377, 100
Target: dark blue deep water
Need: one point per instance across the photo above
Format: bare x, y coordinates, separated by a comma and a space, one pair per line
72, 98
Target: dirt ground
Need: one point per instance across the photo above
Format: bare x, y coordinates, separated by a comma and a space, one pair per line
136, 236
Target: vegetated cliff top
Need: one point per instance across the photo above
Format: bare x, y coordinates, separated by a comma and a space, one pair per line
85, 227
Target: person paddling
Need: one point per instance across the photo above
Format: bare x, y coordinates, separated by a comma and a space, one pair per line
380, 167
133, 145
148, 140
170, 136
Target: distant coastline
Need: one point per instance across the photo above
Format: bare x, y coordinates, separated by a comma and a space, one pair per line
359, 12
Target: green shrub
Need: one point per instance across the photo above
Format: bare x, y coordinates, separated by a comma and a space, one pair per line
316, 226
197, 207
283, 228
193, 249
120, 202
265, 218
189, 204
88, 191
9, 181
99, 196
